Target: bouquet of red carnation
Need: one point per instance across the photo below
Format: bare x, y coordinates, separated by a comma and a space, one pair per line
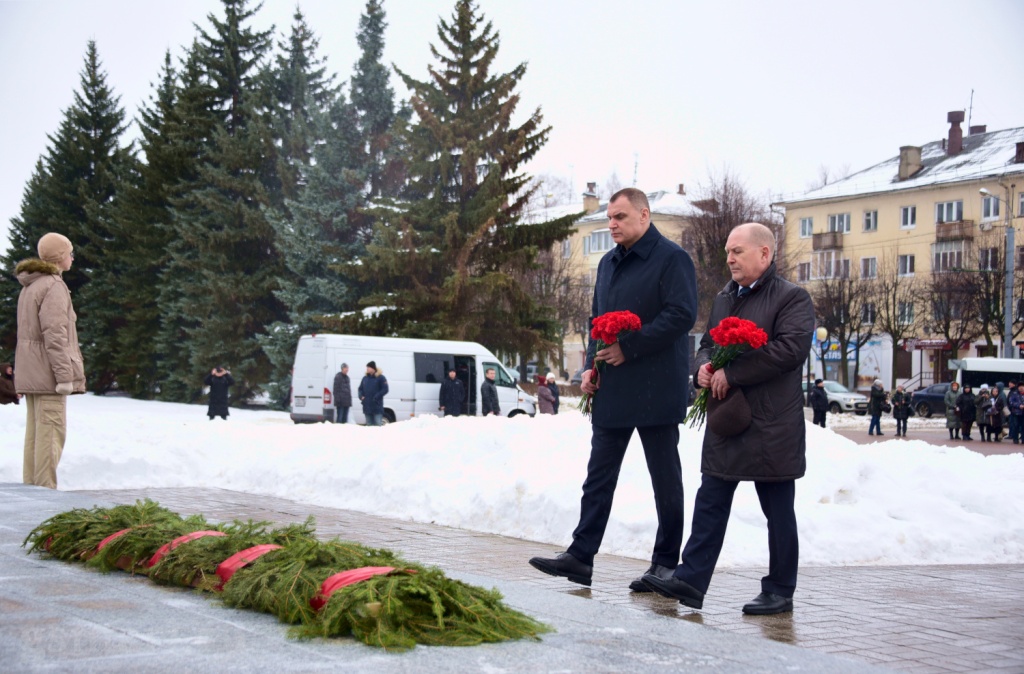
732, 337
606, 329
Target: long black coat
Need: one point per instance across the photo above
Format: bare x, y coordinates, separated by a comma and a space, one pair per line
342, 390
900, 405
489, 398
819, 399
773, 448
451, 396
219, 387
966, 403
655, 280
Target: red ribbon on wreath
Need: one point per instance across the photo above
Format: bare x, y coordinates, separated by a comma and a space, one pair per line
227, 568
164, 549
345, 578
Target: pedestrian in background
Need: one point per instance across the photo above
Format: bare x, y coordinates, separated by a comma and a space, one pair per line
342, 392
451, 395
952, 418
819, 403
900, 410
372, 390
8, 394
489, 394
1016, 403
995, 413
50, 365
981, 408
220, 382
876, 401
966, 408
554, 390
545, 399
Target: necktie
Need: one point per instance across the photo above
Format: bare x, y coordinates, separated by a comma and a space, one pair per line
742, 291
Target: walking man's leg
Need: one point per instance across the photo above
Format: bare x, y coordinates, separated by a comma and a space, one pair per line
661, 449
607, 448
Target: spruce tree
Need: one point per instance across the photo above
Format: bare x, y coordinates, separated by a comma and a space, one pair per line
374, 99
446, 258
224, 265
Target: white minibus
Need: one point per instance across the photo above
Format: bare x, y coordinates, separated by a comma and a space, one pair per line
414, 369
978, 371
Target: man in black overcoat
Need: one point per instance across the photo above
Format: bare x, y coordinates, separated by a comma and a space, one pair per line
642, 385
220, 382
770, 451
819, 402
451, 395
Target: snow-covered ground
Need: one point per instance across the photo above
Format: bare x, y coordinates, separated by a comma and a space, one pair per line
894, 502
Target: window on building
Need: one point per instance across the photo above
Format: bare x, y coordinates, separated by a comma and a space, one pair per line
1019, 317
905, 265
989, 208
905, 313
868, 267
949, 211
600, 241
567, 248
803, 272
1020, 257
828, 264
1020, 204
943, 310
867, 313
908, 216
948, 255
870, 221
839, 222
586, 245
806, 227
988, 259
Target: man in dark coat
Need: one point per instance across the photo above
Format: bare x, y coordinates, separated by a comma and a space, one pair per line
342, 394
372, 390
489, 394
220, 381
966, 409
771, 450
642, 385
819, 402
452, 394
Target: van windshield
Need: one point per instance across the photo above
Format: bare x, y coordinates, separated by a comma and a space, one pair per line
501, 377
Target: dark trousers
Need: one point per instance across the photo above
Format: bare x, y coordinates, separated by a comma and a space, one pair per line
607, 449
1015, 428
875, 425
901, 426
707, 532
965, 427
819, 418
341, 415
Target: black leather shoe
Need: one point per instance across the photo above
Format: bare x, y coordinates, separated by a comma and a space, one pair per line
673, 588
638, 585
564, 565
767, 603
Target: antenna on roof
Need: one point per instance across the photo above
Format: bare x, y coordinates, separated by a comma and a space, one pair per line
636, 164
970, 109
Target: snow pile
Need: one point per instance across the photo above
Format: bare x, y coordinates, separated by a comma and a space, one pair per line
898, 502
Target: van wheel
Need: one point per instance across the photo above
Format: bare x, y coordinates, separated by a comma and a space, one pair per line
835, 408
388, 418
515, 413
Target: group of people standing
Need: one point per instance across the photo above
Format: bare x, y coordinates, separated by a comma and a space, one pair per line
880, 402
371, 392
992, 409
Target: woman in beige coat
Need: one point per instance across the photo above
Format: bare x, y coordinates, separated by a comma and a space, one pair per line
49, 362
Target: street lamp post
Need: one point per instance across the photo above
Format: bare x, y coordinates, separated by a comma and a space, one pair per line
822, 334
1008, 307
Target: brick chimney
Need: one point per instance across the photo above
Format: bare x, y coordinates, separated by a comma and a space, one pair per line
956, 134
910, 161
682, 189
1019, 157
976, 129
590, 200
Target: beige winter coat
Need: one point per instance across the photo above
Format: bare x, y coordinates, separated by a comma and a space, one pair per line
47, 352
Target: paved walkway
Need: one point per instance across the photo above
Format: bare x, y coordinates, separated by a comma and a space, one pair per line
914, 619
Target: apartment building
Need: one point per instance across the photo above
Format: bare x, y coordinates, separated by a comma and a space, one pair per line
930, 209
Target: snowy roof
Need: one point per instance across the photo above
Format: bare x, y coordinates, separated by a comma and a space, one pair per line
551, 213
984, 155
663, 202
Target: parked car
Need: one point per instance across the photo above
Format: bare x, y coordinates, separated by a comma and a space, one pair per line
842, 399
577, 378
929, 400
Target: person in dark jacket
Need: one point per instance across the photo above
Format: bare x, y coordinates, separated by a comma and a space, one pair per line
876, 400
966, 408
995, 413
489, 394
342, 392
770, 451
1016, 403
372, 390
900, 410
220, 381
819, 402
8, 394
642, 385
451, 395
982, 405
553, 387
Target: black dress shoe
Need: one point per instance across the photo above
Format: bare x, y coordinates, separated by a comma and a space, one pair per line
673, 588
767, 603
564, 565
638, 584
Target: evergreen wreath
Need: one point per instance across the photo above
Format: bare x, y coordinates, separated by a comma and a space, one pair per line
394, 605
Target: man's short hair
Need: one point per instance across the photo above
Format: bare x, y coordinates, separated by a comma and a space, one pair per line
490, 369
635, 197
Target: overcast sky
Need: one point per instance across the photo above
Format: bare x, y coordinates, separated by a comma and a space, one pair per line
671, 91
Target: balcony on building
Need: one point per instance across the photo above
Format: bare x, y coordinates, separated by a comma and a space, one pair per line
827, 241
954, 230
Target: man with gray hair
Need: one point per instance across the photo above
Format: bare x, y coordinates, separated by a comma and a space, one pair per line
49, 362
764, 390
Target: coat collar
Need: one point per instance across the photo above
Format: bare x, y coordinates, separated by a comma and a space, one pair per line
643, 247
763, 280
